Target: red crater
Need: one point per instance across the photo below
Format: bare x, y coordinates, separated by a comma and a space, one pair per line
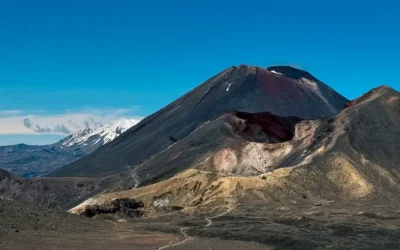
277, 128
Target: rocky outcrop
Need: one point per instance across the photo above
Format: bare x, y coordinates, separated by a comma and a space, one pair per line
125, 206
263, 127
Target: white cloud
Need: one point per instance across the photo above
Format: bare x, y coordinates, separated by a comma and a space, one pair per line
7, 113
19, 122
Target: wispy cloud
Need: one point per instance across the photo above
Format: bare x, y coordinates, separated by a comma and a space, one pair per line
6, 113
21, 122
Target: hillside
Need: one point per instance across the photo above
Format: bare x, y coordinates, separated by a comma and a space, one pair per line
323, 161
328, 183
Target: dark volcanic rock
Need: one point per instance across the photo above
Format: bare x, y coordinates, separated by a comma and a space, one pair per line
125, 206
244, 88
264, 127
292, 72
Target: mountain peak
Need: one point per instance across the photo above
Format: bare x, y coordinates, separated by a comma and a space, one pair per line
93, 138
123, 123
372, 94
291, 72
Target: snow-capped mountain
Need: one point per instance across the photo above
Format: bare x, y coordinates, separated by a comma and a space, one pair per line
94, 138
31, 161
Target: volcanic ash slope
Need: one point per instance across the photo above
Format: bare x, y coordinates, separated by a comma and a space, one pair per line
353, 156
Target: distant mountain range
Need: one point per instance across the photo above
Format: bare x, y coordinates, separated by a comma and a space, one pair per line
30, 160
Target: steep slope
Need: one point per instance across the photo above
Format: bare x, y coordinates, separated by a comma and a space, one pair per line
225, 137
353, 156
243, 88
31, 161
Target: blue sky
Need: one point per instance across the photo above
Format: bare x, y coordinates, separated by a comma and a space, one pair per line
62, 57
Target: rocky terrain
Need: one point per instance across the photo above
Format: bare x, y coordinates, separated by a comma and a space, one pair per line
24, 226
300, 162
31, 161
329, 186
338, 225
235, 165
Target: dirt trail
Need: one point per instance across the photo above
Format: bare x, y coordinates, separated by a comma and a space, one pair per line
187, 238
209, 220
